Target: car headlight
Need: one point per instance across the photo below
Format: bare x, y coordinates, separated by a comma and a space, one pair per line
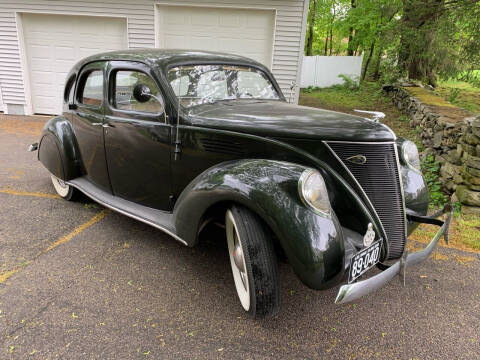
313, 192
410, 155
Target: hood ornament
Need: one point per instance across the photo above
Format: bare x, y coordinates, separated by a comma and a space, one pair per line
357, 159
377, 115
369, 235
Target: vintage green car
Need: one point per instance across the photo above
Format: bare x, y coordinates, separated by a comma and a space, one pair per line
180, 139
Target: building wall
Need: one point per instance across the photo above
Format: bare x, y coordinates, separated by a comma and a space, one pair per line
288, 43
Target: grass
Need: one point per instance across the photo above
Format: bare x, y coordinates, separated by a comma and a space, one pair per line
468, 96
428, 98
464, 233
465, 229
368, 96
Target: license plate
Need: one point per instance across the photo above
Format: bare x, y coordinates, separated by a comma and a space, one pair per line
364, 260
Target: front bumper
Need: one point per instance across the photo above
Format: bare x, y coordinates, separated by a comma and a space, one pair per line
358, 289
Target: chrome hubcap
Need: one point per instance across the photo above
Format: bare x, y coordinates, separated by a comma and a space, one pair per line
237, 261
238, 257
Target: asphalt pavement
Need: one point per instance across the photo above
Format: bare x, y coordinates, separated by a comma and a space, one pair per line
80, 282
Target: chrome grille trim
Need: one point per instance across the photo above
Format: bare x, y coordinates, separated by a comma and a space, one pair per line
390, 210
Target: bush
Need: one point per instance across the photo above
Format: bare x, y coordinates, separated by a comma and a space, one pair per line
472, 77
454, 92
431, 170
349, 82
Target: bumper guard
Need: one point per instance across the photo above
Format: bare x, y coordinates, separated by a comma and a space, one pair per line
358, 289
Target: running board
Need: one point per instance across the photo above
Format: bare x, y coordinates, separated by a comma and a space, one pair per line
159, 219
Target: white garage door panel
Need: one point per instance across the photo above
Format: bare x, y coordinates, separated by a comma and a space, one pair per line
54, 43
246, 32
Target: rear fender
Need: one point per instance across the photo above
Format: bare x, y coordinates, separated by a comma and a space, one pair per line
313, 243
58, 149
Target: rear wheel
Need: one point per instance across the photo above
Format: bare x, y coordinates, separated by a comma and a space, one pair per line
64, 190
253, 261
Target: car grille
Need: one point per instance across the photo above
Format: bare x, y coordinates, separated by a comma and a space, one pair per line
380, 181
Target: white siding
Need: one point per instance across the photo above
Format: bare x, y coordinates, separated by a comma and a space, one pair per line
288, 42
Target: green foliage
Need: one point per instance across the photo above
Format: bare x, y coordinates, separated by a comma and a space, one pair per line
311, 89
467, 98
431, 169
454, 92
472, 77
349, 82
423, 39
403, 118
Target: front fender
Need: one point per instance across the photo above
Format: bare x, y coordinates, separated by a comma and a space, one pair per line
58, 149
313, 243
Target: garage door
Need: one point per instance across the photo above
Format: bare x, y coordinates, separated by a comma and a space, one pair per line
244, 32
54, 43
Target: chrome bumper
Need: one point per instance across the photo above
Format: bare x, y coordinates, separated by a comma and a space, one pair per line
356, 290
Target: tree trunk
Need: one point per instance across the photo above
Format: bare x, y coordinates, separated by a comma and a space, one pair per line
326, 45
310, 28
372, 47
376, 74
419, 31
350, 49
331, 41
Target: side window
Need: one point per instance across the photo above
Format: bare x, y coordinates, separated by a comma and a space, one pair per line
136, 91
92, 91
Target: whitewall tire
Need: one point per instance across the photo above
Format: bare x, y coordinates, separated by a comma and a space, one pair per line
64, 190
253, 262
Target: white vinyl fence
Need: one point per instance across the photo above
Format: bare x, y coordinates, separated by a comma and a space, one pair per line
323, 71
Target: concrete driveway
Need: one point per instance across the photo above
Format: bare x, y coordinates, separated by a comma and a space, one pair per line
80, 282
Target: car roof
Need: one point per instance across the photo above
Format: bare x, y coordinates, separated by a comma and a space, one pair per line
167, 57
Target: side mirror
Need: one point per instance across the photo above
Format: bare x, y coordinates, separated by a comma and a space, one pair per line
142, 93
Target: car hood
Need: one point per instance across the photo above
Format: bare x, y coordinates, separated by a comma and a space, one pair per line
284, 120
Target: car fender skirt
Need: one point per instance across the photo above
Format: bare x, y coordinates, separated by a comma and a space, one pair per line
57, 150
313, 243
49, 156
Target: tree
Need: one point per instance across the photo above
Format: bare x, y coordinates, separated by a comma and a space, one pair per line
311, 24
420, 39
427, 30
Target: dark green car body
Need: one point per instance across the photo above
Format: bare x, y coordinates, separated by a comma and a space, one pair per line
178, 169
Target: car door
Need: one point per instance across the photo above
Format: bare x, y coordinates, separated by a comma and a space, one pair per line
87, 119
137, 137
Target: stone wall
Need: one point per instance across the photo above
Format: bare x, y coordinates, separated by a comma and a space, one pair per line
453, 138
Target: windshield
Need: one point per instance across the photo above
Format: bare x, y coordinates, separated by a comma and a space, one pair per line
201, 84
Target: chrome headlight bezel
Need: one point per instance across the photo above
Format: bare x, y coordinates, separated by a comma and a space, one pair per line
311, 180
410, 155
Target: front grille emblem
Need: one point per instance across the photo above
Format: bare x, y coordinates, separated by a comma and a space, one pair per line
357, 159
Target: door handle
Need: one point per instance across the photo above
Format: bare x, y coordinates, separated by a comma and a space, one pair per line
97, 124
107, 125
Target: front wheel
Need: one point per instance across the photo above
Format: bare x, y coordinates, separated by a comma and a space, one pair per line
64, 190
253, 261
